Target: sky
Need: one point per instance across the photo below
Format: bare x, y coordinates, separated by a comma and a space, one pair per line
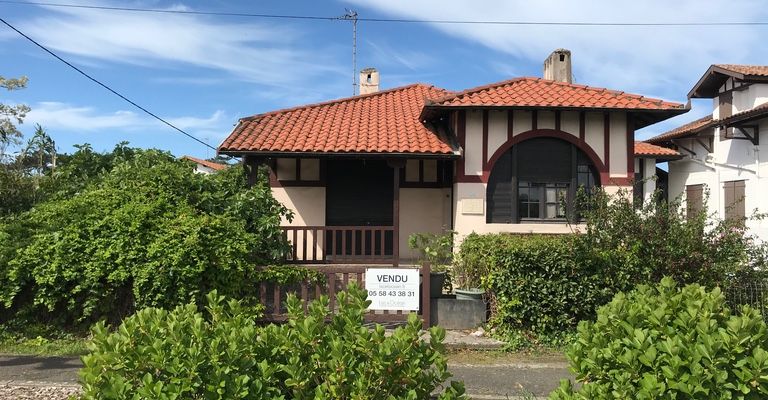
203, 73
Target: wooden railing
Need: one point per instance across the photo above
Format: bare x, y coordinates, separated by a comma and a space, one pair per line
273, 296
341, 244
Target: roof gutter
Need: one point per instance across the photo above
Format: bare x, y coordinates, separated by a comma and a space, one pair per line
320, 154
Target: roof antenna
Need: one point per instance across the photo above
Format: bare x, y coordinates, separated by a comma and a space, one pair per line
351, 15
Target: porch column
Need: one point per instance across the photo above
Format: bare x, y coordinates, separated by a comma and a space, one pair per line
251, 165
396, 165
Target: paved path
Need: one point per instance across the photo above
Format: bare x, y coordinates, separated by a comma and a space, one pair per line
483, 382
39, 369
506, 381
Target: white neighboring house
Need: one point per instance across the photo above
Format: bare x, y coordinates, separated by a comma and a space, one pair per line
722, 151
204, 166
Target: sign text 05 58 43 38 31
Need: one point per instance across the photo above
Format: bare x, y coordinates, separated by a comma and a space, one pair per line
392, 288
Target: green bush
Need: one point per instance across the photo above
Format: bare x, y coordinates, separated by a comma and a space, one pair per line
668, 343
222, 354
542, 286
662, 241
539, 283
148, 232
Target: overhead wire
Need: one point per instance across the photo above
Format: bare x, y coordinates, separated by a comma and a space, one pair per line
383, 20
105, 86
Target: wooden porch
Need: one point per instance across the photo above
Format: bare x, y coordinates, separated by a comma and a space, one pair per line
342, 244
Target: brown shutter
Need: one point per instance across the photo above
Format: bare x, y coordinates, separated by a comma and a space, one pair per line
694, 200
724, 111
734, 200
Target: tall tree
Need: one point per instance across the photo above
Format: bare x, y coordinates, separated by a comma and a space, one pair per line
11, 115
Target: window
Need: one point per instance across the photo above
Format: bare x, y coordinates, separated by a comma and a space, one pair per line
296, 172
537, 180
734, 200
426, 174
694, 200
542, 200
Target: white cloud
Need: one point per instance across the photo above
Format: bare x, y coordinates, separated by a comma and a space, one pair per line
257, 52
56, 116
661, 61
385, 54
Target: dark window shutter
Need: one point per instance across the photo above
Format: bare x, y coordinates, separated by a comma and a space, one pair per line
724, 111
694, 199
734, 200
500, 191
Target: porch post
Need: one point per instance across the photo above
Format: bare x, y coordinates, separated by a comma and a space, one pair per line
396, 218
251, 165
396, 165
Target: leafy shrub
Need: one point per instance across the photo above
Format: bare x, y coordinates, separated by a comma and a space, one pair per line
538, 282
222, 354
662, 241
149, 232
666, 343
542, 286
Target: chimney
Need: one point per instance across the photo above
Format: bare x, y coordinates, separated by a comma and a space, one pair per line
369, 81
557, 66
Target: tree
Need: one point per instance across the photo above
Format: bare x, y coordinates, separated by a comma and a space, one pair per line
11, 115
132, 229
39, 156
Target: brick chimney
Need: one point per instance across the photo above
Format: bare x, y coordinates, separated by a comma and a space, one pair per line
369, 81
557, 66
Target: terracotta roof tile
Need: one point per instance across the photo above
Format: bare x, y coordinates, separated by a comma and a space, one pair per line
210, 164
756, 112
647, 149
751, 70
382, 122
536, 92
684, 130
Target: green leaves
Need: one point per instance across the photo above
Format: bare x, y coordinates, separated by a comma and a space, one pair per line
223, 354
140, 229
668, 343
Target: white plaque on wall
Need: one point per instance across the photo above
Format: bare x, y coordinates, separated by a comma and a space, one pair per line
472, 206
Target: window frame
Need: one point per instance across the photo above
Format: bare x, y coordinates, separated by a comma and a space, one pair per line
495, 210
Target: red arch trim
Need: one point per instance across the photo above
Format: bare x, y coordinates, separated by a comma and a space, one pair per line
580, 144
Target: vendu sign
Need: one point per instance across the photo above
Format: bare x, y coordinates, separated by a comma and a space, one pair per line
392, 288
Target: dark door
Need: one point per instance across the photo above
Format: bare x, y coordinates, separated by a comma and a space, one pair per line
359, 193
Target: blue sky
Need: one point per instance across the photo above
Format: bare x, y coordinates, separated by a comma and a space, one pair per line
202, 73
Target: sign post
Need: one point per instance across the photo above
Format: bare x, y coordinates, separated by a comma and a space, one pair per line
393, 288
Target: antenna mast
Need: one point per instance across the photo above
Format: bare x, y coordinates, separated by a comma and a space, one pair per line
351, 15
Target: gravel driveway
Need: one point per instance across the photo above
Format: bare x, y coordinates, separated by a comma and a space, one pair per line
37, 391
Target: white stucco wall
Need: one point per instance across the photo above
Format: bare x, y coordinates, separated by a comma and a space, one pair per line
497, 130
731, 160
422, 210
594, 133
521, 121
470, 209
618, 145
308, 206
473, 149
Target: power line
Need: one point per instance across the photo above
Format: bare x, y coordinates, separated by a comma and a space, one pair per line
386, 20
105, 86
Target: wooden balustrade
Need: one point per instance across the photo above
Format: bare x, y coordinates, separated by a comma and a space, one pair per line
338, 278
341, 244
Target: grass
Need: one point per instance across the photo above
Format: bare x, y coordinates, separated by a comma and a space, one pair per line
495, 357
40, 340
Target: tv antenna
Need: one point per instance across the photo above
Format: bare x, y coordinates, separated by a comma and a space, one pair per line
351, 15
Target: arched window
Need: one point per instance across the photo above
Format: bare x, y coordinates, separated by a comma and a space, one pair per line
537, 180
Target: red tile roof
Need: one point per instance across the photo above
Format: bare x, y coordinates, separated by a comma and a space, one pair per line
647, 149
690, 128
210, 164
758, 112
749, 70
536, 92
382, 122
